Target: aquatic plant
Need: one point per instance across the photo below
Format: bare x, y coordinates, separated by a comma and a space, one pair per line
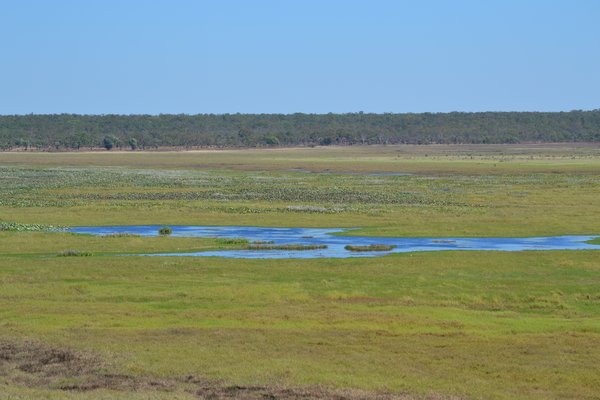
18, 227
287, 247
165, 231
74, 253
314, 209
226, 241
371, 247
594, 241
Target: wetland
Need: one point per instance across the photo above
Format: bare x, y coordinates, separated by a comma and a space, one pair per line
269, 242
80, 320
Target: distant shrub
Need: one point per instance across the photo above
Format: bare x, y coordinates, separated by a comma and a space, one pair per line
133, 143
271, 140
165, 231
109, 142
74, 253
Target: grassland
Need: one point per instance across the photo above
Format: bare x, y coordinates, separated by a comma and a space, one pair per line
463, 324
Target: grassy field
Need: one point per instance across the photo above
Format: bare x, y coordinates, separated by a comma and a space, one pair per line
422, 325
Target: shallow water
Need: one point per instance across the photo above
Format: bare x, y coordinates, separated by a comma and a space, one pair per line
335, 243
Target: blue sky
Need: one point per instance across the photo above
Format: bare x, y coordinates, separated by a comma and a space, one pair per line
254, 56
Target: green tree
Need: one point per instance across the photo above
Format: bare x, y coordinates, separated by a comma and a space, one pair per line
133, 143
23, 143
271, 140
109, 142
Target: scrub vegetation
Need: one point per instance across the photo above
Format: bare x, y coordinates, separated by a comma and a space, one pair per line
436, 325
74, 253
165, 231
75, 132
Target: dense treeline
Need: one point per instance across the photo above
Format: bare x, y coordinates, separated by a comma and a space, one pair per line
70, 131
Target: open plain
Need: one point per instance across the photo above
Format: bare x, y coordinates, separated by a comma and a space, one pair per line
440, 325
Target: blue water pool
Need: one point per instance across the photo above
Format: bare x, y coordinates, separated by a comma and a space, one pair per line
336, 243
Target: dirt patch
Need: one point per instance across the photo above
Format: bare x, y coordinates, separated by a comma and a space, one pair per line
34, 358
307, 393
33, 364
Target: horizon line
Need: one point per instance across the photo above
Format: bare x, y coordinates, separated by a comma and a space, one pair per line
302, 113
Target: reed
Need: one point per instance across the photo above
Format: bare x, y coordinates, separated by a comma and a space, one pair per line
371, 247
287, 247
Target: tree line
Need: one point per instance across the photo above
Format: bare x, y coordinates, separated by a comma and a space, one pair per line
72, 131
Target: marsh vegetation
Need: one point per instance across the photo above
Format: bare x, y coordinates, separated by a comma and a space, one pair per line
294, 247
165, 231
74, 253
520, 325
370, 247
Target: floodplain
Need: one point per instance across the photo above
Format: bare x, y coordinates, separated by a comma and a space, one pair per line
77, 320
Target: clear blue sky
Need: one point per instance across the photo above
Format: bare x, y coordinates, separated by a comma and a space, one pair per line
253, 56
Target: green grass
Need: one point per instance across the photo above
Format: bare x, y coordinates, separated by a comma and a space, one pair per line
402, 323
28, 244
436, 159
472, 324
523, 204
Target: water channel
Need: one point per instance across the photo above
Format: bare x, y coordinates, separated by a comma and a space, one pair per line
336, 243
